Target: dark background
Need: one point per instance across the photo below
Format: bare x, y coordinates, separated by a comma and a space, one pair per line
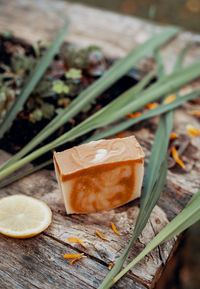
185, 13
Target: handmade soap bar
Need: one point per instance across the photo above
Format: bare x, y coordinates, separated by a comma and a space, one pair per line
100, 175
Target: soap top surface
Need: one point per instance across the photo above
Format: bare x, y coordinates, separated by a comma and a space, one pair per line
98, 153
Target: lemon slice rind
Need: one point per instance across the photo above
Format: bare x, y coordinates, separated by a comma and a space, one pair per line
22, 216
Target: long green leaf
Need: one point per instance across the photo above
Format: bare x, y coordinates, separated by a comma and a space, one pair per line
112, 75
116, 129
151, 113
189, 216
123, 99
79, 130
118, 265
155, 176
25, 173
33, 79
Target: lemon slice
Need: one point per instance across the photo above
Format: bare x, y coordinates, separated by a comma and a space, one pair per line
23, 217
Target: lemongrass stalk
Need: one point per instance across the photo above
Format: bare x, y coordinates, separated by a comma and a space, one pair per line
78, 131
189, 216
33, 79
25, 173
124, 98
113, 74
153, 184
108, 116
150, 113
118, 128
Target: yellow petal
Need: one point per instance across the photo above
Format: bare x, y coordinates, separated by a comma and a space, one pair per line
72, 256
76, 259
196, 112
170, 98
114, 228
133, 115
75, 240
152, 105
100, 236
176, 158
192, 130
173, 135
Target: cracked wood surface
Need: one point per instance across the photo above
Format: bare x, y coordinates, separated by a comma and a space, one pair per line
38, 262
100, 254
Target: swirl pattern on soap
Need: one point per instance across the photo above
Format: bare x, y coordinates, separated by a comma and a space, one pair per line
96, 153
103, 188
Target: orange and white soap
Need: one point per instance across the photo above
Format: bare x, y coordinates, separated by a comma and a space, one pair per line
100, 175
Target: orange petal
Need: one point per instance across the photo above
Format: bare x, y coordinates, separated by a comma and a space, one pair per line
76, 259
110, 267
192, 130
180, 162
173, 135
196, 112
120, 135
152, 105
75, 240
114, 228
100, 236
83, 245
170, 98
133, 115
72, 256
176, 158
174, 152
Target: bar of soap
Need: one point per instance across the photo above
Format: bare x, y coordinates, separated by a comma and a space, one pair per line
100, 175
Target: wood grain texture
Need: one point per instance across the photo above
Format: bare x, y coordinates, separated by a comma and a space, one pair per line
116, 34
38, 262
43, 185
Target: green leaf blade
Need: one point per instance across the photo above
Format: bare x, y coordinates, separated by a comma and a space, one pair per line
34, 78
113, 74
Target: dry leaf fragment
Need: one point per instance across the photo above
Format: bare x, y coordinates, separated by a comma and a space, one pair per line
176, 158
152, 105
133, 115
192, 130
100, 236
173, 135
170, 98
72, 256
196, 112
114, 228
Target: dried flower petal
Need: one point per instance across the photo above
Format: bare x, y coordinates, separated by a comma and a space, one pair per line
152, 105
173, 135
110, 267
114, 228
83, 245
133, 115
192, 130
72, 256
176, 158
170, 98
100, 236
119, 135
75, 240
76, 259
196, 112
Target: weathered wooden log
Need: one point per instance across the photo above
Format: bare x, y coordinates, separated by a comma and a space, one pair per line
38, 262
